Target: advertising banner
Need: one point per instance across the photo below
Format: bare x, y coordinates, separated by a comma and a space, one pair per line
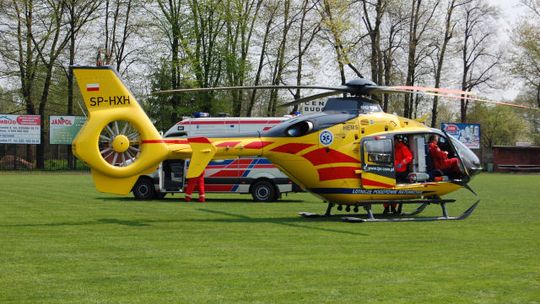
64, 129
20, 129
468, 134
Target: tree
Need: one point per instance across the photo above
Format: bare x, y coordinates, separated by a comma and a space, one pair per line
202, 45
419, 21
79, 13
449, 27
171, 25
500, 125
334, 14
279, 59
393, 29
525, 61
307, 32
269, 13
39, 37
373, 26
119, 28
477, 54
240, 20
159, 106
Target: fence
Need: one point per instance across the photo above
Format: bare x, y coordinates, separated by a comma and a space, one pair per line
23, 157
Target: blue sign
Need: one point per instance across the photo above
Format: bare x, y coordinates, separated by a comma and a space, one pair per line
468, 134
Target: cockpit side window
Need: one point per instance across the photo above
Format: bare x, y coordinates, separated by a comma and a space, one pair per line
378, 152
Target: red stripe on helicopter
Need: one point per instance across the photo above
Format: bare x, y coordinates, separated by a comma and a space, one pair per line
199, 140
291, 148
165, 141
368, 182
333, 173
257, 144
227, 144
323, 156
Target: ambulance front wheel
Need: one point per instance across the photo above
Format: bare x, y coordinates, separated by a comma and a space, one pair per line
264, 191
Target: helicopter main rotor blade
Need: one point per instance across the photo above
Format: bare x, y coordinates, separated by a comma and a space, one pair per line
442, 92
417, 90
502, 103
263, 87
309, 98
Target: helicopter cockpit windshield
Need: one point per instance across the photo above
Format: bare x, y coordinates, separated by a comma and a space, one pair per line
356, 105
467, 156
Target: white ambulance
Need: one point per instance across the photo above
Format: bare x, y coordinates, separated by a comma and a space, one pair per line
254, 175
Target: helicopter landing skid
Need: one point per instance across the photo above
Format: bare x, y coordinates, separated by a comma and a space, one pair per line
401, 216
418, 210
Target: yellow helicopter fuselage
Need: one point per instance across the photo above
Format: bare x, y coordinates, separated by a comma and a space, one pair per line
323, 156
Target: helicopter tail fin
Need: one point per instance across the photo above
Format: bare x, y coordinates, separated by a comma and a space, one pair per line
113, 141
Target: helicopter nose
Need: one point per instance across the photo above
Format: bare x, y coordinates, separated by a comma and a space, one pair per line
474, 168
471, 162
469, 159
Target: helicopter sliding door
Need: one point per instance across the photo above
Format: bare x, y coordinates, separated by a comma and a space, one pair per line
378, 163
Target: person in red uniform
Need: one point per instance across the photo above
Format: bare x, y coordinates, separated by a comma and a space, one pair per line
191, 183
440, 157
402, 159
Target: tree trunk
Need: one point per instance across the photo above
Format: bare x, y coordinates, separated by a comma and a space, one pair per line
448, 32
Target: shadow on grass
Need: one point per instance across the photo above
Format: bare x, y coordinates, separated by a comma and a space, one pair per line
180, 200
286, 221
235, 218
132, 223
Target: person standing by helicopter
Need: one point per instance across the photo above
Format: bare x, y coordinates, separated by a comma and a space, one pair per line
191, 183
402, 159
440, 157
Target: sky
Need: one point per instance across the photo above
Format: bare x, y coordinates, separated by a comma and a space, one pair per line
510, 9
510, 13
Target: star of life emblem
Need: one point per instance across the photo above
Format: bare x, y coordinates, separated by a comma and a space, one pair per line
326, 138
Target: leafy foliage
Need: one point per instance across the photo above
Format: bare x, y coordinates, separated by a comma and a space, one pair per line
500, 125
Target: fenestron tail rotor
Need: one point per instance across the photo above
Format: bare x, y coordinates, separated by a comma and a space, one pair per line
119, 143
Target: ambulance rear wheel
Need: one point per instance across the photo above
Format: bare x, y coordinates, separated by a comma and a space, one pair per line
144, 189
264, 191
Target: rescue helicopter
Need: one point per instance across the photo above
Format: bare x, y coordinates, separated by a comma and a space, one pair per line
344, 155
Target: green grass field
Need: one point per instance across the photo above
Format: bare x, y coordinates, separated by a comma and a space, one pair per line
62, 242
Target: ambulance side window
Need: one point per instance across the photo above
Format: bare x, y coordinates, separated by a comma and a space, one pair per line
378, 152
177, 134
